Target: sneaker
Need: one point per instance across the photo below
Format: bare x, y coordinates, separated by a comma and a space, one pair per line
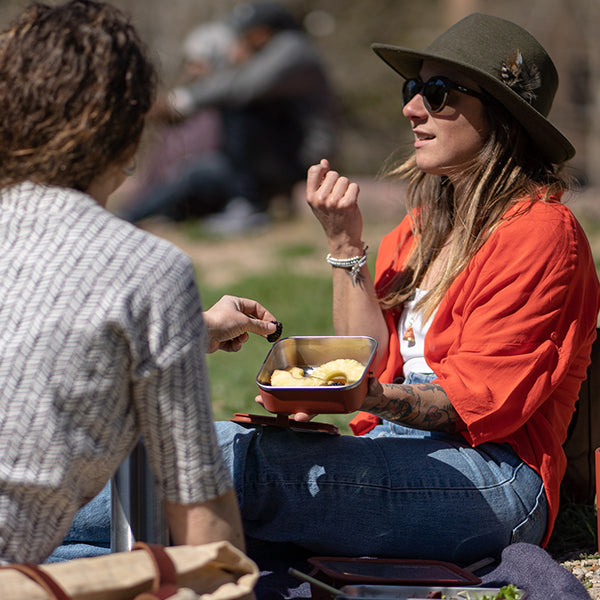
238, 217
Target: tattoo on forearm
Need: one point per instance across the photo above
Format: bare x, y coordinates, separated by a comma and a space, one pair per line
422, 406
357, 278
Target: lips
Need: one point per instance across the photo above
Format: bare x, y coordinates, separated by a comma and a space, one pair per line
422, 136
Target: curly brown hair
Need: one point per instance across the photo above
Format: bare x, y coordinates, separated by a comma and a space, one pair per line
75, 87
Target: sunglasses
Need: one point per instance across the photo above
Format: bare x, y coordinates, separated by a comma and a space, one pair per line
434, 91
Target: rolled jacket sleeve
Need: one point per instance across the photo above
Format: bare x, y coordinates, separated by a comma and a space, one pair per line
171, 387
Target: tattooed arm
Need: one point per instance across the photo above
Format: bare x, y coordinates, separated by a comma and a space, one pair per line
422, 405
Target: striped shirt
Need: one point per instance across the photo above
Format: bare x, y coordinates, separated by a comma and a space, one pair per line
102, 341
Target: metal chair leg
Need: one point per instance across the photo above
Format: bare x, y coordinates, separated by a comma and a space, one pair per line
136, 512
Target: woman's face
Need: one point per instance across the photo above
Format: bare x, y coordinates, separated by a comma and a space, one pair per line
446, 140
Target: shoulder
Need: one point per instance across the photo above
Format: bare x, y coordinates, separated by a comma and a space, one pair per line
543, 227
540, 243
541, 215
128, 255
292, 43
142, 243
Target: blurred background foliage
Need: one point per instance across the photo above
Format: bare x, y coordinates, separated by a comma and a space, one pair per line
372, 125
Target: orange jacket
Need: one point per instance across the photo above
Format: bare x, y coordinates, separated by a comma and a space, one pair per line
511, 339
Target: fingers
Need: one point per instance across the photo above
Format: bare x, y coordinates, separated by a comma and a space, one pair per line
315, 175
325, 187
229, 321
235, 344
262, 328
303, 417
299, 416
261, 321
252, 308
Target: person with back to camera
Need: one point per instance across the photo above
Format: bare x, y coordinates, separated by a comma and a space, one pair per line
103, 334
484, 306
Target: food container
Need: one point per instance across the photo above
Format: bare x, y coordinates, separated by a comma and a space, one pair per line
357, 573
402, 592
309, 352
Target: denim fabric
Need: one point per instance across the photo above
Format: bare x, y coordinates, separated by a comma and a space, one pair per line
89, 534
395, 492
203, 187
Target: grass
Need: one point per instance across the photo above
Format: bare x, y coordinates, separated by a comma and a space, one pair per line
575, 531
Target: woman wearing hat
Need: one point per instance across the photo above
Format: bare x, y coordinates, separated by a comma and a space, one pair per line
484, 307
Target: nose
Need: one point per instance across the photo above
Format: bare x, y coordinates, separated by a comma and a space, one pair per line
415, 108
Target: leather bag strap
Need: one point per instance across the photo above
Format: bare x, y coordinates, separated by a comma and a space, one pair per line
45, 581
164, 584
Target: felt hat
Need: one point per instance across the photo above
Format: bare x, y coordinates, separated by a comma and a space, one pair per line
507, 62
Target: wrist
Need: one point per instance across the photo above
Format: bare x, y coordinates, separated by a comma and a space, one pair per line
352, 265
346, 249
374, 394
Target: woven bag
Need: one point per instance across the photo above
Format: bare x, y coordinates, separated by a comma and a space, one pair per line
215, 571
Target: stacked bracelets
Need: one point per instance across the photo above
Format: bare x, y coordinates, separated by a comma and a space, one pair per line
352, 265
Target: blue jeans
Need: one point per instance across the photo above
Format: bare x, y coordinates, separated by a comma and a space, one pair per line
395, 492
203, 187
89, 534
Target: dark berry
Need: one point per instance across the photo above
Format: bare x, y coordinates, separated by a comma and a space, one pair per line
273, 337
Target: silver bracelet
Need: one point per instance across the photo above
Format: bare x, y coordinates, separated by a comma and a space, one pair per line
352, 265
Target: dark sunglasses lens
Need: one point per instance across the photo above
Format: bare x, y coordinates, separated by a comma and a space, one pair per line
410, 89
435, 94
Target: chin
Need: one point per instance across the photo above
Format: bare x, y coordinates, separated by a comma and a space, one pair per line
431, 169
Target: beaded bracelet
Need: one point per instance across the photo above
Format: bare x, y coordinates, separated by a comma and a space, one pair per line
352, 265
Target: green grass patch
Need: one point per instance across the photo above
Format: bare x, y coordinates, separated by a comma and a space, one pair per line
574, 530
293, 251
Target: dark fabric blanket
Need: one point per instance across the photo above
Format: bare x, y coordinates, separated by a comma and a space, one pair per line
533, 569
527, 566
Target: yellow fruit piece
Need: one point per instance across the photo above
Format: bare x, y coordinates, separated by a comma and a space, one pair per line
342, 371
293, 377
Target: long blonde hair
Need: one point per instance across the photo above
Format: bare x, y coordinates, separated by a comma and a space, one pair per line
463, 214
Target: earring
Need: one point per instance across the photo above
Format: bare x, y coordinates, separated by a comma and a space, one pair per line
129, 170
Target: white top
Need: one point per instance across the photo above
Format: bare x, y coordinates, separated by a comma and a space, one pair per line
412, 331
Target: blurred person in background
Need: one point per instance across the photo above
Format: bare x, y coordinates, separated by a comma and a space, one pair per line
279, 117
175, 145
103, 333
